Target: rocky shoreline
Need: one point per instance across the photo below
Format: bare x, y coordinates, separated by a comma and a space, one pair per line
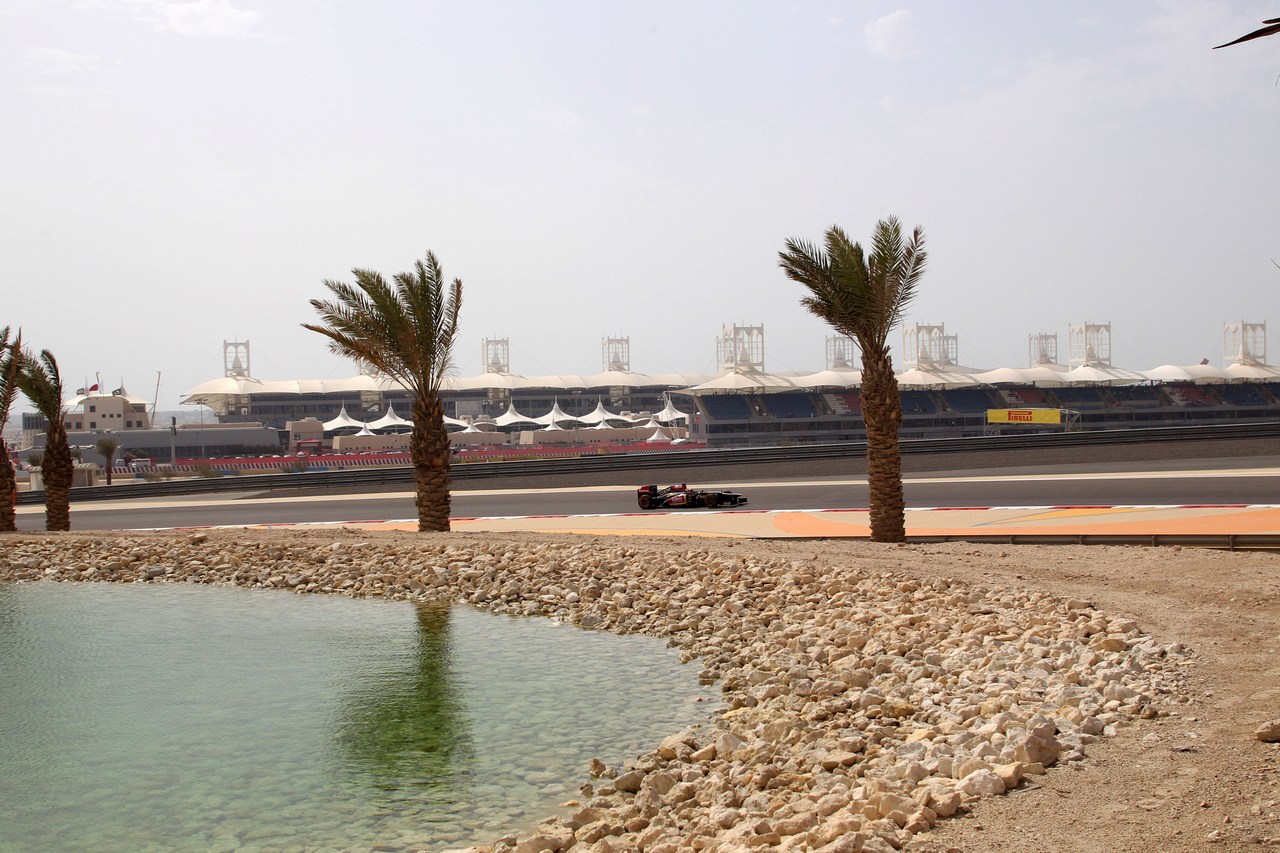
864, 703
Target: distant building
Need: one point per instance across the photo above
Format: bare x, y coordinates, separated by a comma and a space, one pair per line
106, 412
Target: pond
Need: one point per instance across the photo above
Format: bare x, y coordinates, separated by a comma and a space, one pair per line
137, 717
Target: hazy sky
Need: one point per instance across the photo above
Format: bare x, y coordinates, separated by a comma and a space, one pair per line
176, 174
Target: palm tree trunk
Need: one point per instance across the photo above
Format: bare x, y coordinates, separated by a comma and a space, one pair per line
58, 470
429, 451
8, 492
882, 414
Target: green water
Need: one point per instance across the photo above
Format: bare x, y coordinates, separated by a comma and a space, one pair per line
147, 717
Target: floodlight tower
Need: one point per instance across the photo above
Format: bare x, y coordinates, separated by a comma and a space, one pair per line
235, 359
1042, 348
495, 355
615, 354
924, 345
741, 348
841, 352
1244, 343
1090, 344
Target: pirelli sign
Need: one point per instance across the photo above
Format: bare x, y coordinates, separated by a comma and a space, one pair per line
1024, 416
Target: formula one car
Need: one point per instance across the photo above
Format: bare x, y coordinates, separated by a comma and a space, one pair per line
680, 495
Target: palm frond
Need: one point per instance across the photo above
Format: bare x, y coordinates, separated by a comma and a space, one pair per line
855, 282
10, 366
41, 383
448, 332
1273, 27
895, 267
360, 320
805, 264
405, 328
860, 295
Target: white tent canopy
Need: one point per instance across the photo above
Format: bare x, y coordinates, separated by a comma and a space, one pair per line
1243, 371
1041, 374
241, 385
1102, 374
79, 399
599, 415
511, 416
935, 377
486, 382
343, 421
555, 416
670, 414
1200, 373
844, 378
568, 381
617, 379
744, 380
680, 380
390, 421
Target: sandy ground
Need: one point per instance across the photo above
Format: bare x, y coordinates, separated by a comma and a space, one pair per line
1195, 777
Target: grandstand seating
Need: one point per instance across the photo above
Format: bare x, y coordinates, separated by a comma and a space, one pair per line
918, 403
799, 417
1241, 395
790, 404
1082, 397
1136, 396
1024, 398
726, 406
844, 404
969, 400
1188, 394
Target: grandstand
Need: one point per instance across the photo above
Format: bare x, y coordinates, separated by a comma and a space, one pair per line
742, 404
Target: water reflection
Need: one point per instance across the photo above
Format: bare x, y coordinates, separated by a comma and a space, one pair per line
404, 727
177, 718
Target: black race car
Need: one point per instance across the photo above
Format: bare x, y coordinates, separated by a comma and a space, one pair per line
680, 495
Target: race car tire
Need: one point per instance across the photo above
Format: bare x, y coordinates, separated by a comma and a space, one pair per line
711, 501
644, 502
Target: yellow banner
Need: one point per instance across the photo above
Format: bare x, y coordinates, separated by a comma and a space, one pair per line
1024, 416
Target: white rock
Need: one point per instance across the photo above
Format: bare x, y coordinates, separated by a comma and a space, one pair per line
981, 783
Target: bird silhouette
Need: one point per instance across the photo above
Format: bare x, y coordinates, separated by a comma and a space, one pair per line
1270, 30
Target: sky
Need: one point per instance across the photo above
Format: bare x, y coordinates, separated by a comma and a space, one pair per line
179, 174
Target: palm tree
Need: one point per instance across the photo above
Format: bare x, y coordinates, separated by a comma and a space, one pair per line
10, 364
108, 447
1273, 27
407, 332
863, 297
41, 382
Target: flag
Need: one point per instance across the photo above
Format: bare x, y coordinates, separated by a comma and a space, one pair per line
93, 387
1204, 361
